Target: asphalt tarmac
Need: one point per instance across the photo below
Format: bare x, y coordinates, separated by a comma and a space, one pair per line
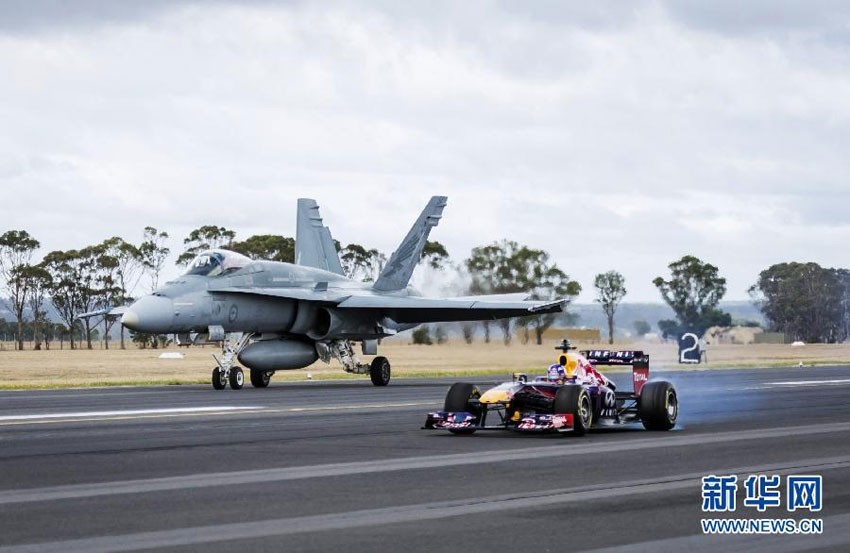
320, 466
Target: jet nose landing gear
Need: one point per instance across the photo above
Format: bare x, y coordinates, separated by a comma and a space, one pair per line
219, 379
237, 378
227, 372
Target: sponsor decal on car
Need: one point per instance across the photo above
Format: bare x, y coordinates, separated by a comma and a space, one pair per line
560, 421
546, 422
451, 420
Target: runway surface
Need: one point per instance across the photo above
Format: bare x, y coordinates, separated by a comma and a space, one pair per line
320, 466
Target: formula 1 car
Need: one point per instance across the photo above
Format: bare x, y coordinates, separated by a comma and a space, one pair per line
562, 405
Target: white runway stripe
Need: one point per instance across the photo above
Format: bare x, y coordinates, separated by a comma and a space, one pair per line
127, 413
233, 478
412, 513
806, 383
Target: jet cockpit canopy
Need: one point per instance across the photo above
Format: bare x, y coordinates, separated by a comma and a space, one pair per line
217, 262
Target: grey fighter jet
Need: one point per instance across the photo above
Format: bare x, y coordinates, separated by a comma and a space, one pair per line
273, 316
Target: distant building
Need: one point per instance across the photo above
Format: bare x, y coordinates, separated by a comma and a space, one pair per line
573, 334
742, 335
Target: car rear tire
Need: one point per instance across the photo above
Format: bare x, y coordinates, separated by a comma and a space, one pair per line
574, 400
457, 401
379, 371
658, 405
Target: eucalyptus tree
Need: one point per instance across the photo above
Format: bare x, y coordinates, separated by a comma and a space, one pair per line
507, 267
39, 286
122, 267
804, 300
207, 237
434, 255
610, 291
271, 247
154, 253
63, 267
16, 250
693, 291
360, 263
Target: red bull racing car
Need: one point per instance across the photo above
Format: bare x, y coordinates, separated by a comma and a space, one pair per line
572, 398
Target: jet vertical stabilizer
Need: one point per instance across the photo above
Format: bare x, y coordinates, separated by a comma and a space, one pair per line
314, 246
398, 271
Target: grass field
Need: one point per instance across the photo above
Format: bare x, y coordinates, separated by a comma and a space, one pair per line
67, 368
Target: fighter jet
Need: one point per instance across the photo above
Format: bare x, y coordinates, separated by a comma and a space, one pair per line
272, 316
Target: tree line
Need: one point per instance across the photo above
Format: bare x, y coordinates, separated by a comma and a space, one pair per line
803, 300
75, 281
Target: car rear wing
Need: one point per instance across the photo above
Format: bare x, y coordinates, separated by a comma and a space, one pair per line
638, 360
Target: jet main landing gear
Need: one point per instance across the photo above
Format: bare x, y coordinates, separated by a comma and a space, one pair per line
260, 379
378, 371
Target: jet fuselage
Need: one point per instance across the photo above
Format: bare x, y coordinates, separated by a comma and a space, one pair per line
194, 303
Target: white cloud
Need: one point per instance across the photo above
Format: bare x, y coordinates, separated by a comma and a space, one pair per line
614, 136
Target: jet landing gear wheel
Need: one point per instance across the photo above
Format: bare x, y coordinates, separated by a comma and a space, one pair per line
219, 381
379, 371
237, 378
260, 379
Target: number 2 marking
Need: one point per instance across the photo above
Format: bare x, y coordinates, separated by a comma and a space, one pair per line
683, 353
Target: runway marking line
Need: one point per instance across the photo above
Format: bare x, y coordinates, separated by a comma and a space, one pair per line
427, 462
803, 383
92, 416
128, 412
437, 510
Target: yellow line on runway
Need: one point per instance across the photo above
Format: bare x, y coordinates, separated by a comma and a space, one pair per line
220, 413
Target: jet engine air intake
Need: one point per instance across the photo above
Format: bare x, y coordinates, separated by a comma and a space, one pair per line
325, 323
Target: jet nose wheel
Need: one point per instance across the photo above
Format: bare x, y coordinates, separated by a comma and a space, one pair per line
379, 371
237, 378
219, 380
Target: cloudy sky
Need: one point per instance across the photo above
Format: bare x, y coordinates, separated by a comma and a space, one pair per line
614, 135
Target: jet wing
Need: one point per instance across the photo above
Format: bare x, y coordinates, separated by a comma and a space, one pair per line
424, 310
519, 296
407, 309
113, 312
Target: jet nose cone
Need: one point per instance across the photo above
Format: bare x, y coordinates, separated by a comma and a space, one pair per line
153, 314
130, 319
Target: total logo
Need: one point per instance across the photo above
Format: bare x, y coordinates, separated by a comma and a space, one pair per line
559, 421
640, 377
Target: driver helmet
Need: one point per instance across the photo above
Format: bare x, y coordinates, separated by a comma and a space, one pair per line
556, 371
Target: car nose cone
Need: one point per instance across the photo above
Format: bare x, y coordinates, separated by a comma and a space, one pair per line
153, 314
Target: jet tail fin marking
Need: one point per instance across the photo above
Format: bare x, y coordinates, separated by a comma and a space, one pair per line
399, 269
314, 246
